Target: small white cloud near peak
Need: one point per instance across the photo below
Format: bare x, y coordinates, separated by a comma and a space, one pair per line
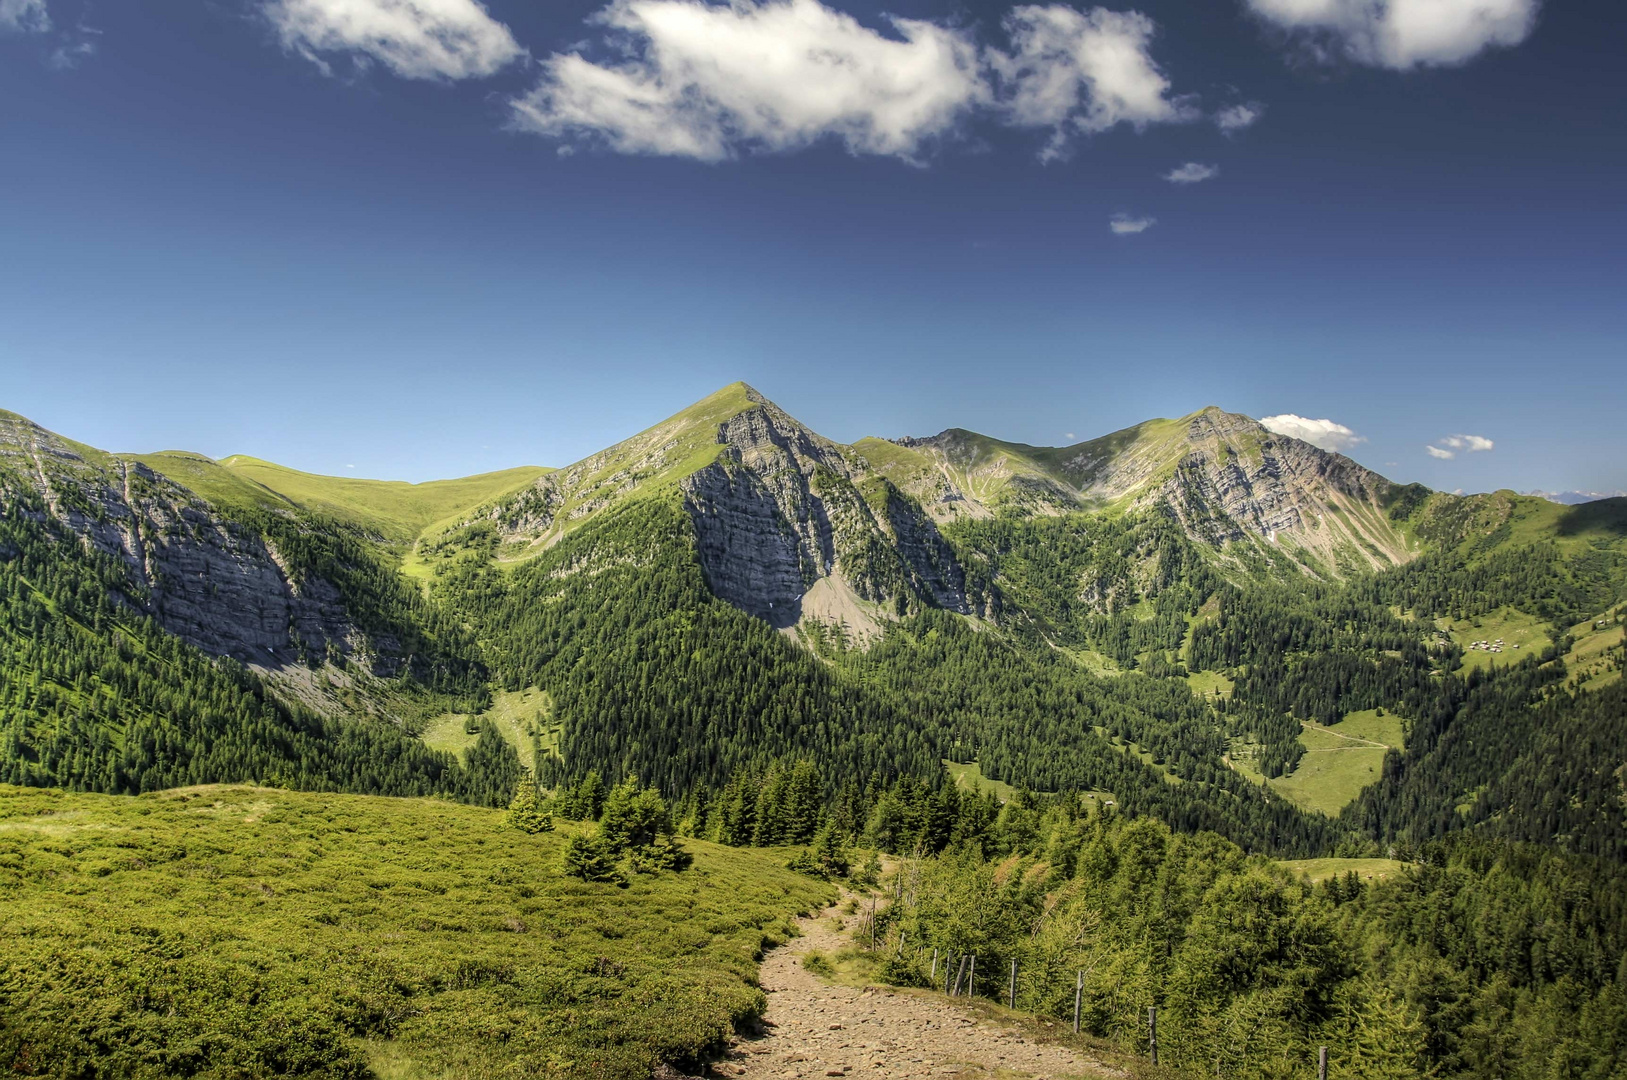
1440, 452
1450, 446
1192, 173
1402, 34
1327, 434
24, 17
416, 39
1128, 225
1237, 117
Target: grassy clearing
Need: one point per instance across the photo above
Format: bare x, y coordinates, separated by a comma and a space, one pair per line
253, 932
971, 776
1322, 869
1519, 632
1093, 661
1146, 756
1340, 760
1596, 651
523, 717
1210, 685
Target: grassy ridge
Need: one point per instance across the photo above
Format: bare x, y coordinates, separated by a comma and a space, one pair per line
253, 932
394, 509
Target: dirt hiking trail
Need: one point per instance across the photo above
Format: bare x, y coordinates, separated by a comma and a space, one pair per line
815, 1029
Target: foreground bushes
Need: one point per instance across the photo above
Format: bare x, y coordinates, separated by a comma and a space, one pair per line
243, 932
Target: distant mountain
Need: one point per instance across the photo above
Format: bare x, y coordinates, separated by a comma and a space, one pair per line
1576, 498
788, 521
1225, 477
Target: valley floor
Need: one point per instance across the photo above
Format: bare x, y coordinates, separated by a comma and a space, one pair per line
814, 1028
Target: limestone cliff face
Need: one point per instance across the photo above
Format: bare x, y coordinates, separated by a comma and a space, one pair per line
776, 509
1225, 477
1237, 481
782, 508
214, 583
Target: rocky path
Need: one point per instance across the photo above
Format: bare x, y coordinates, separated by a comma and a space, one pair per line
816, 1029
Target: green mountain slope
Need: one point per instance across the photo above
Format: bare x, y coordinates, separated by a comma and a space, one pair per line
393, 509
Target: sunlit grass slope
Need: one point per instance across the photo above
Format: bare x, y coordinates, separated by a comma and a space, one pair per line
1322, 869
1340, 760
395, 509
523, 717
254, 932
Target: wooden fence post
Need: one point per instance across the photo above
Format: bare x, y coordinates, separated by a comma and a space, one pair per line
1078, 995
1321, 1063
971, 978
1014, 986
872, 924
960, 975
1152, 1031
934, 976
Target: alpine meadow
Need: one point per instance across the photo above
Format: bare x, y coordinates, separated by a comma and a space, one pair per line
520, 774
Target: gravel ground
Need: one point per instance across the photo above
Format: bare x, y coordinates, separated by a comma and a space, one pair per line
815, 1029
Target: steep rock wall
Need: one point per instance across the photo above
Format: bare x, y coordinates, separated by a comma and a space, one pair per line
213, 582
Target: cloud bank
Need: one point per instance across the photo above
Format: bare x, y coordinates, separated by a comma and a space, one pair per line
1192, 173
694, 79
1325, 433
24, 17
1402, 33
416, 39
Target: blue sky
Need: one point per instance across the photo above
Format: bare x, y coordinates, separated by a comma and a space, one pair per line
420, 238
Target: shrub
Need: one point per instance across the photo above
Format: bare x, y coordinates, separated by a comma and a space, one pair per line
899, 970
806, 862
525, 813
665, 853
591, 858
818, 963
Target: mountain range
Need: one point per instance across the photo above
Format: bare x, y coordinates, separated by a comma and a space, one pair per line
1164, 613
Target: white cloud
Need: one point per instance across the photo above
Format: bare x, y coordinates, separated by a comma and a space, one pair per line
1082, 73
24, 16
706, 81
1237, 117
416, 39
70, 54
1469, 443
1125, 225
1324, 433
1192, 173
1437, 452
1404, 33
